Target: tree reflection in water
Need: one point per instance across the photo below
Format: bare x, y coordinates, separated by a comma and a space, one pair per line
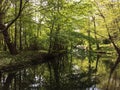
61, 74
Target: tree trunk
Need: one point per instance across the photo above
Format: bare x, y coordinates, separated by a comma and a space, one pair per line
95, 33
15, 33
10, 45
6, 36
20, 38
5, 46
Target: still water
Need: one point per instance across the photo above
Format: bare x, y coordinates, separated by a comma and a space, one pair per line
66, 73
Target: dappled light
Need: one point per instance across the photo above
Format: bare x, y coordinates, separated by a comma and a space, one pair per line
59, 44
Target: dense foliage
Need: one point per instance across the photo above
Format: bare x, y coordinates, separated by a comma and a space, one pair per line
63, 32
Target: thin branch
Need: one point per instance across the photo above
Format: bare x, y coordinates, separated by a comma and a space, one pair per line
24, 5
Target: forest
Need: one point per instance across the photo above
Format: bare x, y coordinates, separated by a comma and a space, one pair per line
59, 44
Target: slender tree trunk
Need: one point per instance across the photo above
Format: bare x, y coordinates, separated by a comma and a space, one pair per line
97, 61
95, 33
20, 32
25, 40
89, 57
89, 45
50, 37
15, 33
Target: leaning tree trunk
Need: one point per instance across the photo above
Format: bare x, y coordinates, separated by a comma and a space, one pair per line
4, 29
11, 48
10, 45
6, 36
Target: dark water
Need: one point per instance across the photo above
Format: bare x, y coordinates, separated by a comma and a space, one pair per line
66, 73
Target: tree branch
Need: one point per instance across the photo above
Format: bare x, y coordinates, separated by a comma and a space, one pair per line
110, 37
19, 13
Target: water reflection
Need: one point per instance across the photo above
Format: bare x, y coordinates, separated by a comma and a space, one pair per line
61, 74
93, 88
